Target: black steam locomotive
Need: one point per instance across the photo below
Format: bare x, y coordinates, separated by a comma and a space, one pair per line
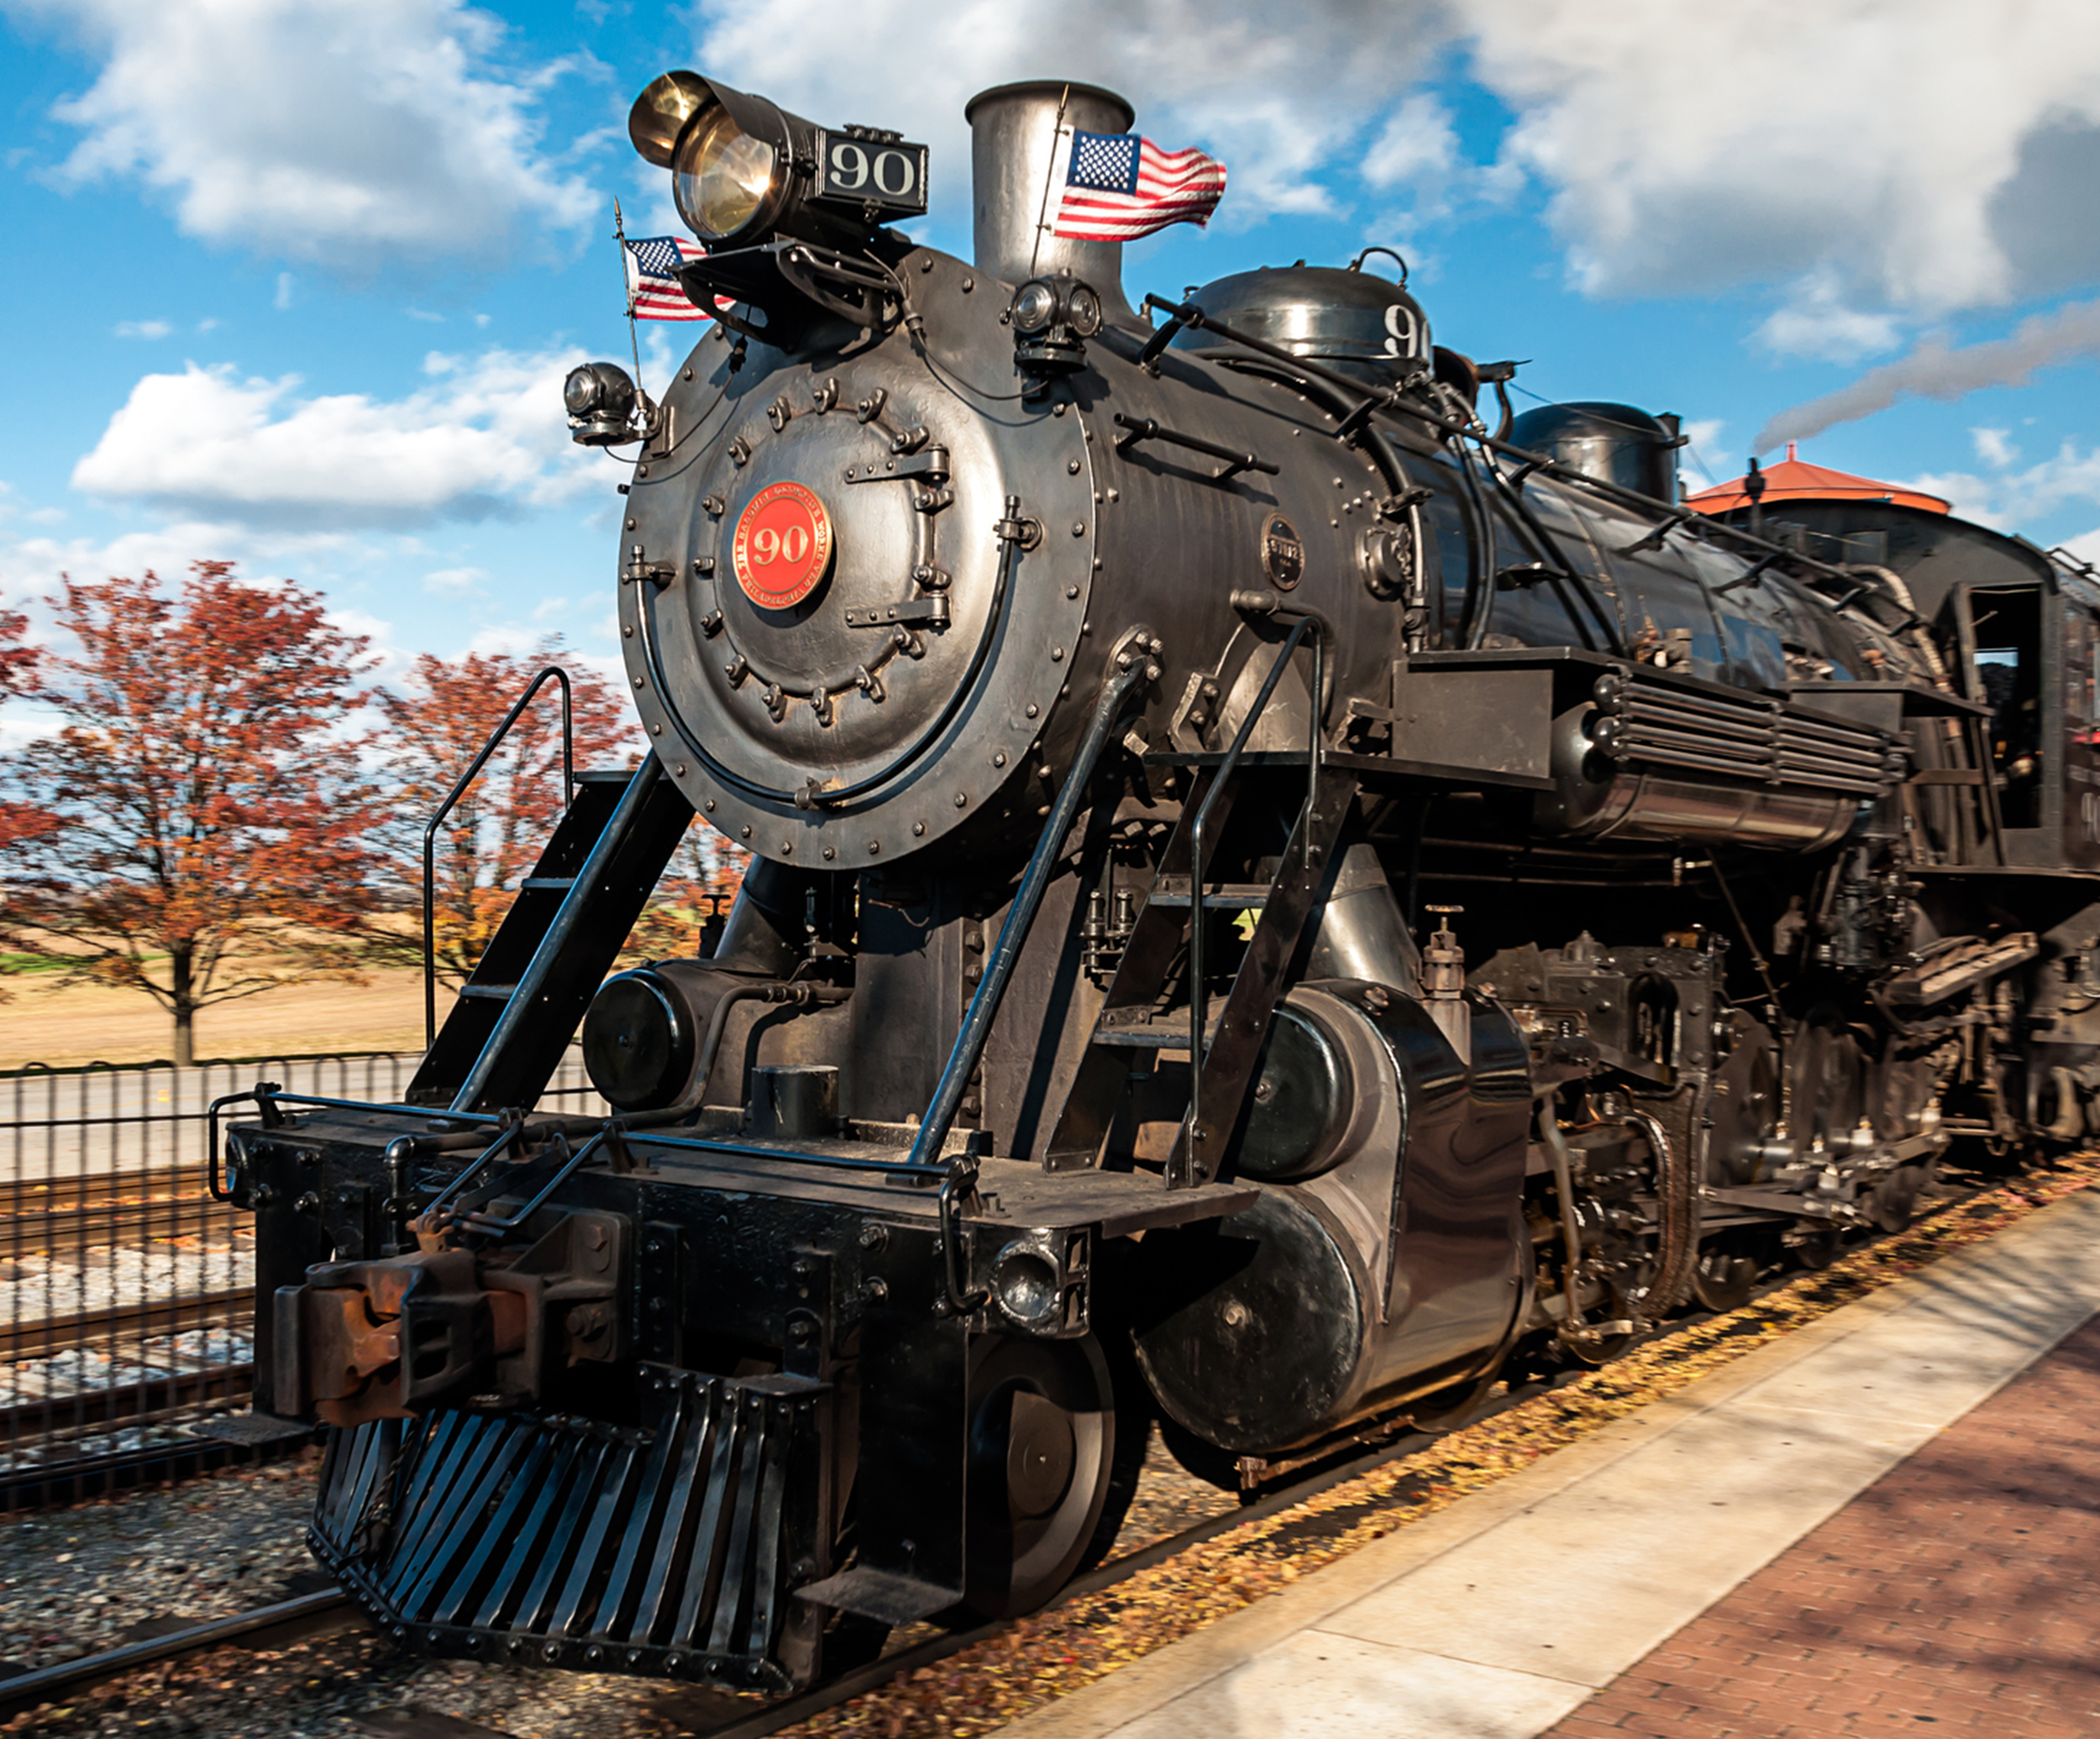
1268, 903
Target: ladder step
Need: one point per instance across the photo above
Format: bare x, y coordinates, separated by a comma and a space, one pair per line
1166, 1033
1174, 890
490, 993
533, 883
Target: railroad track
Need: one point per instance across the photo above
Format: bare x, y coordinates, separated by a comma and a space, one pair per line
43, 1337
58, 1215
334, 1611
37, 1195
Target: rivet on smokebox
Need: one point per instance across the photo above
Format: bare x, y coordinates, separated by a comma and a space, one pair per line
1078, 527
961, 800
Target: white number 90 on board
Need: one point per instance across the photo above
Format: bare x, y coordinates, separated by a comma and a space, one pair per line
887, 172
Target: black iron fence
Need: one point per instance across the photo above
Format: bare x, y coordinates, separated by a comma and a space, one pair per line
125, 1290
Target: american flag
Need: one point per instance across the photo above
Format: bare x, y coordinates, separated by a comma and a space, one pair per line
1120, 186
653, 291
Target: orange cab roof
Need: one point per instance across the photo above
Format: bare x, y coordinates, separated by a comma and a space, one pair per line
1796, 479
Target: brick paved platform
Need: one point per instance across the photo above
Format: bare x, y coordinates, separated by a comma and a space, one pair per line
1824, 1537
1960, 1591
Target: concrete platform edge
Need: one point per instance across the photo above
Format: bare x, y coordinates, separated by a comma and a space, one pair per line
2053, 1240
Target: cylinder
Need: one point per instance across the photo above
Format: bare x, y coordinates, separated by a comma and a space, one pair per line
1016, 146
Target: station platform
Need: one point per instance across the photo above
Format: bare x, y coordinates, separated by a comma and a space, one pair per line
1887, 1521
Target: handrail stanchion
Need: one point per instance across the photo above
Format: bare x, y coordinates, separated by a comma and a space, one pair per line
430, 828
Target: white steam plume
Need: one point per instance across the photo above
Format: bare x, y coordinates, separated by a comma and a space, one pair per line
1935, 370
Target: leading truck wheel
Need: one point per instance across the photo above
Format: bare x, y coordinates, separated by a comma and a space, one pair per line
1042, 1468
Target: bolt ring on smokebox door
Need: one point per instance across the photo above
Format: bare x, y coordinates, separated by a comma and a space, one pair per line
729, 732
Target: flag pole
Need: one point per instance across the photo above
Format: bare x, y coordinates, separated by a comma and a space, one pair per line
627, 288
1049, 179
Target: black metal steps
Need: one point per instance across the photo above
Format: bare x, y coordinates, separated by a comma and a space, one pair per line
1174, 890
505, 1036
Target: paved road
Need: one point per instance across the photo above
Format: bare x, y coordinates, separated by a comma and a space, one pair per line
79, 1122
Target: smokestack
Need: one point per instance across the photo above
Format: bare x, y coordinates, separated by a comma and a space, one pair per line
1014, 147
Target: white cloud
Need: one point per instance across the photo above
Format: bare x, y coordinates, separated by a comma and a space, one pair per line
1278, 98
1815, 321
2012, 499
1995, 448
1917, 149
508, 638
1701, 452
337, 130
2086, 546
285, 281
1416, 147
454, 581
142, 329
485, 438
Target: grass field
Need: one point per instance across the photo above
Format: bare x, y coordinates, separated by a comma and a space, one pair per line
41, 1022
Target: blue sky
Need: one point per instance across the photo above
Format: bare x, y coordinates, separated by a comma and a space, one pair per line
295, 281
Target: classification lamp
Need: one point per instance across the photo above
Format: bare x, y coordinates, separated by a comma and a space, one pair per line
744, 170
1052, 317
600, 399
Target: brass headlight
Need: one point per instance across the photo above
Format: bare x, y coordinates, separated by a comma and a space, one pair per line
744, 170
721, 175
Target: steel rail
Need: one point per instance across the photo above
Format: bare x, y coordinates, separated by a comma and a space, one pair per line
37, 1195
284, 1622
65, 1231
42, 1336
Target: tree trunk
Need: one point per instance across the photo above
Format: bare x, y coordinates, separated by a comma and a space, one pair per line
179, 982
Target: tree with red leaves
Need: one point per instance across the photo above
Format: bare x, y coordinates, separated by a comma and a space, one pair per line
208, 802
18, 673
492, 838
495, 834
694, 894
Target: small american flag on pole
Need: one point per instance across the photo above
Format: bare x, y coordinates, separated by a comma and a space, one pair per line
653, 291
1118, 186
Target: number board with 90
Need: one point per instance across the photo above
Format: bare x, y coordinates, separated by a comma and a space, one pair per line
861, 171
